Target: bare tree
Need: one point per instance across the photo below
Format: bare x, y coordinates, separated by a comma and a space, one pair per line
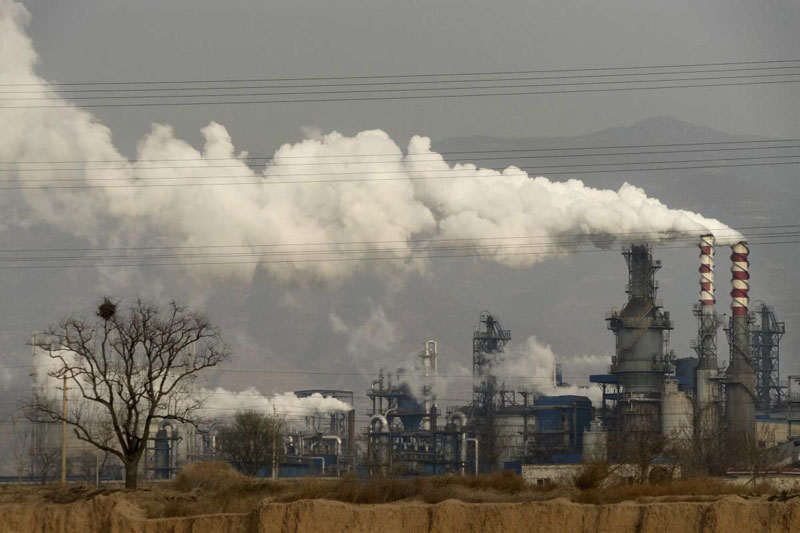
638, 446
45, 462
127, 371
252, 441
22, 435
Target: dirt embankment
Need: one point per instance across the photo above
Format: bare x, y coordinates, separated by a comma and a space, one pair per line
115, 513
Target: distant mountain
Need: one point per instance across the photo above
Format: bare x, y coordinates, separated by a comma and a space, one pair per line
759, 190
653, 130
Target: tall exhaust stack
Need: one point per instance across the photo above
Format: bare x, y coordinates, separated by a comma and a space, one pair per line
740, 393
707, 397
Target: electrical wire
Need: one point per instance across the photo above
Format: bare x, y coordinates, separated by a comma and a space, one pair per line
396, 97
412, 155
418, 75
555, 239
497, 175
529, 170
341, 259
395, 90
473, 247
383, 83
135, 165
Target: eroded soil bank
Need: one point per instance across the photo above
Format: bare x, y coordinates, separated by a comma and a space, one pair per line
119, 513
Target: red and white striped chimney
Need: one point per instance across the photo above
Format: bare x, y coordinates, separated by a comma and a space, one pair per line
740, 279
707, 300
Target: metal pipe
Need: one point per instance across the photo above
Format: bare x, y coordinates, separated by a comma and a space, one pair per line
312, 457
381, 419
473, 439
338, 440
451, 419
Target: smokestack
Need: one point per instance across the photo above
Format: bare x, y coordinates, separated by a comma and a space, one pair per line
707, 413
708, 321
707, 300
740, 387
740, 276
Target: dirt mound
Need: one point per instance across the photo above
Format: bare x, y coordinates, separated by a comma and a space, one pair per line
117, 513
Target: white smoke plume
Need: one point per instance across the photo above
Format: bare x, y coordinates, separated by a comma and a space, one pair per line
535, 364
312, 222
221, 403
375, 340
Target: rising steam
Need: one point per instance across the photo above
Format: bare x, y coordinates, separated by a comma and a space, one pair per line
534, 365
326, 231
221, 403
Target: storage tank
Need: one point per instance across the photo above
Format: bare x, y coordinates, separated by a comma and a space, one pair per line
676, 413
595, 442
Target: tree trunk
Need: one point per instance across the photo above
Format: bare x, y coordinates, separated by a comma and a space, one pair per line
131, 474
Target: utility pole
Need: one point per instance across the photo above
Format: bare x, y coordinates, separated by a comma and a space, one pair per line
64, 435
274, 472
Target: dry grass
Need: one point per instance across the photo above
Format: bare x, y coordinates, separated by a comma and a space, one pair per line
351, 489
209, 476
211, 487
683, 488
215, 487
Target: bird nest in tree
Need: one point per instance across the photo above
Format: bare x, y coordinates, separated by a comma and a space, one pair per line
107, 309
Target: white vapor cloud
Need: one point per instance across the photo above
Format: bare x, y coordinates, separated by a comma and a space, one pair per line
222, 403
367, 219
535, 363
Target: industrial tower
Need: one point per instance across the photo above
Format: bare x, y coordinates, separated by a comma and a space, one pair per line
488, 347
765, 337
641, 330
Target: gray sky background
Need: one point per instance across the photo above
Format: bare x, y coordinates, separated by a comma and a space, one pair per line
561, 302
190, 39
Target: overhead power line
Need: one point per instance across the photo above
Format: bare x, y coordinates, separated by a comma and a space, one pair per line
344, 259
399, 97
405, 159
546, 237
264, 182
409, 155
384, 90
404, 171
384, 83
471, 245
416, 75
493, 248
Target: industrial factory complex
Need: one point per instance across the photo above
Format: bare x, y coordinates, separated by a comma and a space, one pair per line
686, 411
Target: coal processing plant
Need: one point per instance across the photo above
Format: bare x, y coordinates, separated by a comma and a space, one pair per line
717, 417
651, 401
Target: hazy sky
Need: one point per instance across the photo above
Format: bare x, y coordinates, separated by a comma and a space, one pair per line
367, 318
194, 39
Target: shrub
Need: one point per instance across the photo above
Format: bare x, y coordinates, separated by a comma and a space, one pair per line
699, 486
591, 475
209, 476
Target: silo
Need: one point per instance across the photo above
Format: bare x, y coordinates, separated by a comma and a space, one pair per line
595, 442
676, 413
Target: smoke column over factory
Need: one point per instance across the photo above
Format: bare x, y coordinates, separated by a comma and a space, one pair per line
317, 232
